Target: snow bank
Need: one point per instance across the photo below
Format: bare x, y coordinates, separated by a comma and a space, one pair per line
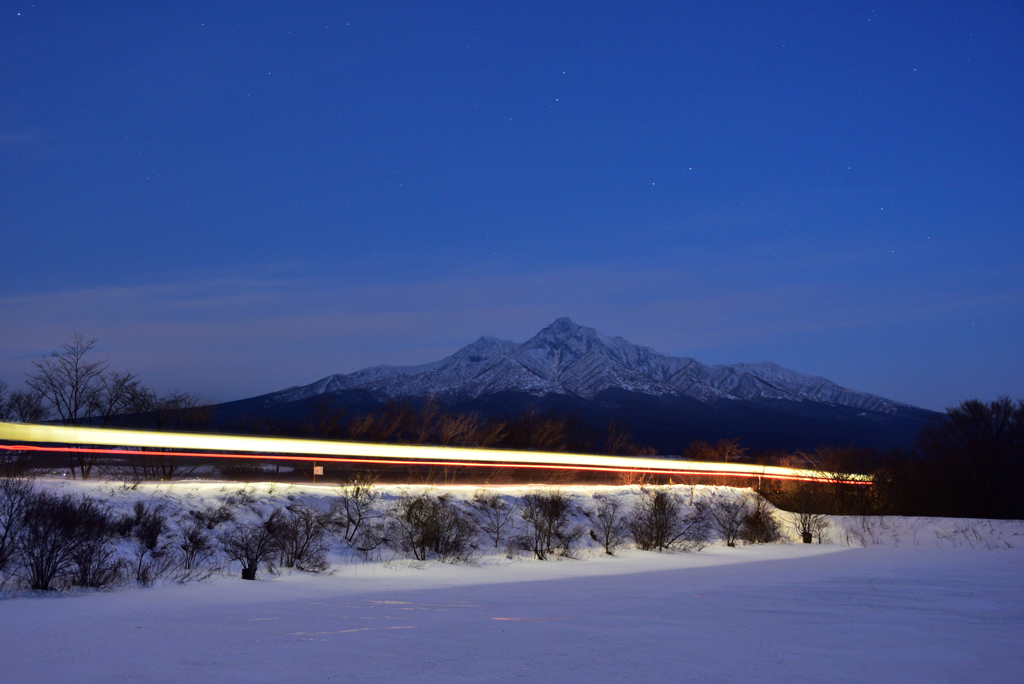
925, 600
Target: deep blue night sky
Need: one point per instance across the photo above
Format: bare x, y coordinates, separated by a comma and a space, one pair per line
238, 198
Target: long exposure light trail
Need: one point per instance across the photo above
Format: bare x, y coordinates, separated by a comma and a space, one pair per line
90, 440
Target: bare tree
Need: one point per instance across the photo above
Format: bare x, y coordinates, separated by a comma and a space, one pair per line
531, 431
67, 381
433, 526
196, 549
4, 411
974, 459
806, 504
840, 465
24, 406
354, 509
118, 393
14, 493
760, 526
618, 440
723, 450
79, 390
252, 545
456, 429
730, 450
301, 534
728, 517
324, 419
809, 525
699, 450
497, 512
657, 522
549, 528
611, 531
176, 411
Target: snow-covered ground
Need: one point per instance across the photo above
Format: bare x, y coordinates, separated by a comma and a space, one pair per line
926, 600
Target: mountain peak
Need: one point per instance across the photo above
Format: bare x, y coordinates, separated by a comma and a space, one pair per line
563, 324
567, 358
567, 364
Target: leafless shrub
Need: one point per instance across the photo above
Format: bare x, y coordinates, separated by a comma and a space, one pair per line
50, 536
14, 464
610, 531
195, 552
728, 517
14, 492
145, 524
149, 565
657, 522
244, 496
810, 526
252, 545
629, 478
426, 526
211, 516
497, 513
94, 561
373, 536
57, 541
301, 534
549, 529
353, 508
760, 526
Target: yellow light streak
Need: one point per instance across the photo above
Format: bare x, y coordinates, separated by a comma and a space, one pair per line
248, 447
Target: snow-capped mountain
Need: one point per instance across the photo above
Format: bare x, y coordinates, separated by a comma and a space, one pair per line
568, 359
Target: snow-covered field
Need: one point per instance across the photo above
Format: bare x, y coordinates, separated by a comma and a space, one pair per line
924, 601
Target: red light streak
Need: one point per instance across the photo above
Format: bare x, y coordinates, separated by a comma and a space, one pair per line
453, 457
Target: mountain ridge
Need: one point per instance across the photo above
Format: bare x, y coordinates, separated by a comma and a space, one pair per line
567, 369
566, 358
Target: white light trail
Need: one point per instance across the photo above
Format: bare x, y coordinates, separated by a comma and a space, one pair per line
63, 438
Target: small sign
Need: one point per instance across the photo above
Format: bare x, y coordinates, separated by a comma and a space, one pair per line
318, 470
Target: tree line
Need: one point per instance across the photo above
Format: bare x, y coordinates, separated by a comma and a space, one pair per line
403, 421
967, 463
68, 386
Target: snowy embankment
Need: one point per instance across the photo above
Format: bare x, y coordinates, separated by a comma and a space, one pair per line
180, 502
889, 599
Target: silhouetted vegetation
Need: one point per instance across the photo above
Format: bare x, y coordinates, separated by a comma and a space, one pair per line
658, 522
69, 386
968, 464
610, 529
427, 526
549, 530
429, 422
253, 545
301, 535
497, 515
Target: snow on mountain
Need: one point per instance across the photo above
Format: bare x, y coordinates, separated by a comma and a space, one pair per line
771, 381
565, 358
